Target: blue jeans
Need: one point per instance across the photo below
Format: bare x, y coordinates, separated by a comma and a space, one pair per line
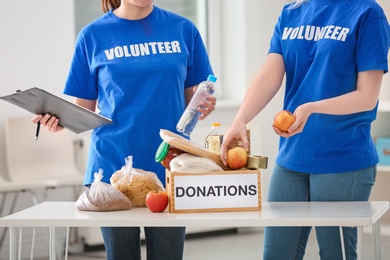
290, 242
162, 243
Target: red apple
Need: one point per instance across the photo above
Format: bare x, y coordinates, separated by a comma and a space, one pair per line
236, 158
157, 201
283, 120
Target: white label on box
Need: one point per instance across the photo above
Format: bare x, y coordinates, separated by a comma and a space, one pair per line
216, 191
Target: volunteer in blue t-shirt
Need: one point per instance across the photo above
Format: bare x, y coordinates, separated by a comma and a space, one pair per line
333, 54
137, 64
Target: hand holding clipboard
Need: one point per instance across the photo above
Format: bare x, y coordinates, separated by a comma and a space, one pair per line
73, 117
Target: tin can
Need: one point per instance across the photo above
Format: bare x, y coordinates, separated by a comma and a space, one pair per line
257, 162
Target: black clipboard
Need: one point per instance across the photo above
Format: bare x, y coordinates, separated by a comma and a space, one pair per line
73, 117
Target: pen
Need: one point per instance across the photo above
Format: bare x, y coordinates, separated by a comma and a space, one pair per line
37, 131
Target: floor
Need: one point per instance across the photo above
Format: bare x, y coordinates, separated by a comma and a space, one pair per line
239, 244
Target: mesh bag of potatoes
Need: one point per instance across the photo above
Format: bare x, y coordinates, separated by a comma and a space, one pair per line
102, 196
135, 183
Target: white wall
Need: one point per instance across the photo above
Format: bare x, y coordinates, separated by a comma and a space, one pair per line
37, 39
36, 48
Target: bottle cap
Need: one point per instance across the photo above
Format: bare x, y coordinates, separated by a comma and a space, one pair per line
162, 151
216, 124
212, 78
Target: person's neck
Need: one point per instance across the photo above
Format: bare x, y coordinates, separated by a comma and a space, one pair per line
131, 12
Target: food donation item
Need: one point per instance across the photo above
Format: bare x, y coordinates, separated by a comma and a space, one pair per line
236, 158
165, 153
256, 162
102, 196
190, 147
214, 139
135, 183
188, 163
283, 120
157, 201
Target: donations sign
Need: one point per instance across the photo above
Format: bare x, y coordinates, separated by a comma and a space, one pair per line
214, 191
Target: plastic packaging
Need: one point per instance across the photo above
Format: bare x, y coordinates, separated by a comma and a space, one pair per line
189, 163
102, 197
189, 119
214, 140
135, 183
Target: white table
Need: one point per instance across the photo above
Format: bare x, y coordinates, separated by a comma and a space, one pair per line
340, 214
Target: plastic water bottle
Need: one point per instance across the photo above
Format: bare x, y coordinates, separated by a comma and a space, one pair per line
190, 116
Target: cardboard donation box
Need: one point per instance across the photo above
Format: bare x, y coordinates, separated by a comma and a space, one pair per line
214, 191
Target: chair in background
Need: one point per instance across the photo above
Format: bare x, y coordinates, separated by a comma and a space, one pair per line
50, 159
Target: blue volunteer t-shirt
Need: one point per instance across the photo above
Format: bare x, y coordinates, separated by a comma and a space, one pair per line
325, 44
138, 71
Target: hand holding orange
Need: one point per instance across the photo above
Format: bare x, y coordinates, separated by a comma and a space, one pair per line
283, 120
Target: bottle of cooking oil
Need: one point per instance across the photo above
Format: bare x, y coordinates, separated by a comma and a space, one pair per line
214, 140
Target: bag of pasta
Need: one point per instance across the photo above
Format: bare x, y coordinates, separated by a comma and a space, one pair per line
135, 183
102, 196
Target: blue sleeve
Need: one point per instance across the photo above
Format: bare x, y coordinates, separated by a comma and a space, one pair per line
275, 44
80, 82
199, 66
373, 43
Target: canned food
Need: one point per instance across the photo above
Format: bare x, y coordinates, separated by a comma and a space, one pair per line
257, 162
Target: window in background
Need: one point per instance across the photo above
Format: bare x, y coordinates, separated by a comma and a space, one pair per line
85, 12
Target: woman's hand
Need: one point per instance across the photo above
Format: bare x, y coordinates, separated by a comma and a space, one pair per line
237, 130
50, 122
207, 107
301, 114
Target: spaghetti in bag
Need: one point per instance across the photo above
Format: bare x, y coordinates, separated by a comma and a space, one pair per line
135, 183
102, 196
